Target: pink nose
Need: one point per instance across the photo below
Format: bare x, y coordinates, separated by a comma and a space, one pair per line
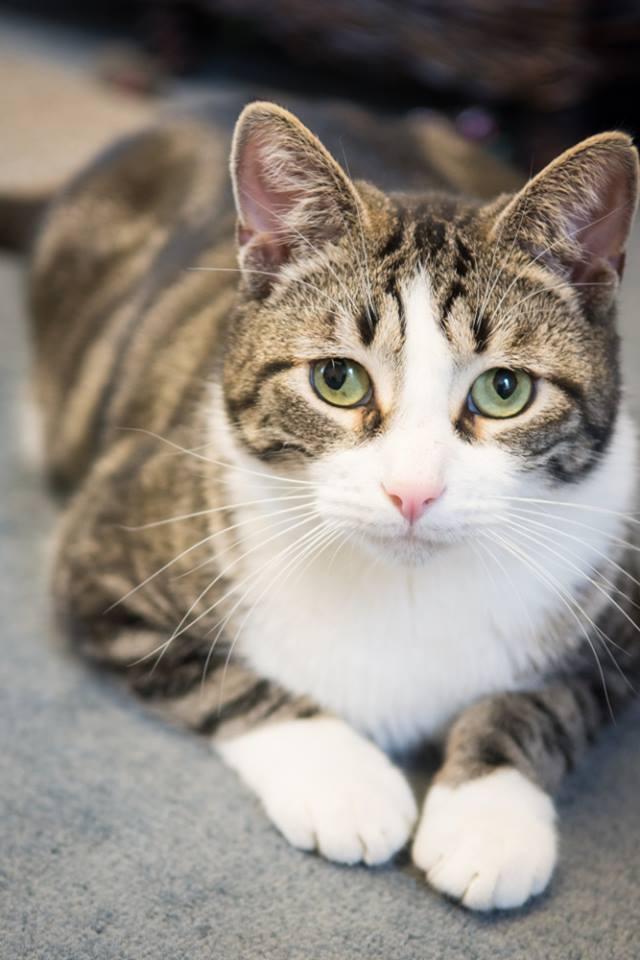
412, 502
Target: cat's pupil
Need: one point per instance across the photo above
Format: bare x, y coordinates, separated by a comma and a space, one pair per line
335, 374
504, 383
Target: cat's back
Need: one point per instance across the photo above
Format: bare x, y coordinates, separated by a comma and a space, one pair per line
113, 299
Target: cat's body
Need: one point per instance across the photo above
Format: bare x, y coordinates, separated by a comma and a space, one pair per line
233, 544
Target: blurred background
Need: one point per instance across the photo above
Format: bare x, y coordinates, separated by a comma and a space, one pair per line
524, 77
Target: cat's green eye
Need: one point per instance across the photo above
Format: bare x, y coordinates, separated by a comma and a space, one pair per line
500, 393
341, 382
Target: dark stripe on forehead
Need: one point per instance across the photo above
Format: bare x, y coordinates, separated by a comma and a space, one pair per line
367, 324
394, 241
392, 291
481, 332
456, 290
464, 257
429, 236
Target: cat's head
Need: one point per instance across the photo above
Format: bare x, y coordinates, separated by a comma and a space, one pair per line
418, 358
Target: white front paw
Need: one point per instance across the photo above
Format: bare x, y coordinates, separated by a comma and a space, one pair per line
490, 842
326, 788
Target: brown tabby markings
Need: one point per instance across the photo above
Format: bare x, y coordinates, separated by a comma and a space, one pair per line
128, 335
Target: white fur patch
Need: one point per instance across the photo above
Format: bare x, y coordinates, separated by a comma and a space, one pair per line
397, 635
428, 361
415, 450
326, 788
490, 843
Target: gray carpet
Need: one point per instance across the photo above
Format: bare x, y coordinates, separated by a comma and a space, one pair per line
120, 838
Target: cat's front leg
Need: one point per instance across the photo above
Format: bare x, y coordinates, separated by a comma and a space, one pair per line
323, 785
487, 833
326, 788
488, 842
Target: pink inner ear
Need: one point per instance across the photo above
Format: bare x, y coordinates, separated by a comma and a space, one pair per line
263, 208
603, 235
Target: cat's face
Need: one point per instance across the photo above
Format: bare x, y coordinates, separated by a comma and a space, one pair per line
421, 360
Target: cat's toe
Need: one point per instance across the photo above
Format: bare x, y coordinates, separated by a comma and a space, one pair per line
356, 818
490, 842
327, 789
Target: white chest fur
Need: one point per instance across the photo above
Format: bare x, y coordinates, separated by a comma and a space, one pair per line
394, 652
398, 652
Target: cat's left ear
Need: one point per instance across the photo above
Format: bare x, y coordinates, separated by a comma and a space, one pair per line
291, 196
575, 215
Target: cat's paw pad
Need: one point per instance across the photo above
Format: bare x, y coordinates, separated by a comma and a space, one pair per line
327, 789
490, 842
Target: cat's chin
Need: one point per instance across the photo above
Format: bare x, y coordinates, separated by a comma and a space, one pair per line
408, 551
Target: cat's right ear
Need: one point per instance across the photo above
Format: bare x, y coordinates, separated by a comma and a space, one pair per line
574, 217
292, 197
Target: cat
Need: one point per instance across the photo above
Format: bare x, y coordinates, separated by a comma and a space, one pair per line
369, 485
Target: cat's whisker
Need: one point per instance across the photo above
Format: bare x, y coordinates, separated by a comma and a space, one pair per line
573, 566
298, 543
629, 517
200, 543
160, 570
482, 544
524, 514
475, 546
274, 481
607, 643
310, 550
555, 532
212, 510
511, 548
181, 628
297, 548
347, 518
162, 648
215, 462
606, 640
335, 534
342, 543
273, 524
538, 539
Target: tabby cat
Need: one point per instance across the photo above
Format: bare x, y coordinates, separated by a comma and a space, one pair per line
368, 485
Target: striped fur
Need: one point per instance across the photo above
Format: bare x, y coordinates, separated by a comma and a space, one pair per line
180, 419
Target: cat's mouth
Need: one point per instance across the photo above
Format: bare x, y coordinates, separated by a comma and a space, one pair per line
412, 546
